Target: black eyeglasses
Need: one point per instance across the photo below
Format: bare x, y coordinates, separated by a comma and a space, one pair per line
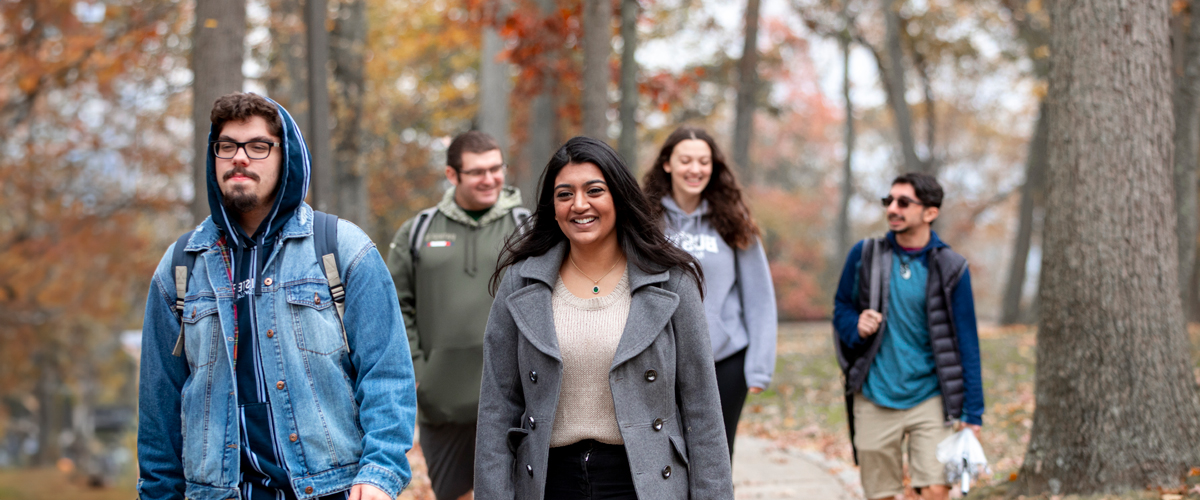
903, 202
255, 150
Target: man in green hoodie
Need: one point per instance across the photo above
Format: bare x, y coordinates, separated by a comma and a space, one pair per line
441, 261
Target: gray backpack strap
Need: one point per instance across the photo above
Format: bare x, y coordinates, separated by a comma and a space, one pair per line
416, 235
325, 245
182, 263
521, 216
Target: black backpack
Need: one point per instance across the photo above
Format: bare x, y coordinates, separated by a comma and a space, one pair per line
324, 242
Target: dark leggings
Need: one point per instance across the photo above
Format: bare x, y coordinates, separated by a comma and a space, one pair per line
731, 383
589, 470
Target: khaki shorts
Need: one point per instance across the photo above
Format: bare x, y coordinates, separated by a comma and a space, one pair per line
878, 436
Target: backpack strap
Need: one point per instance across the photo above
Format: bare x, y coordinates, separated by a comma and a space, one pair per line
416, 235
521, 216
876, 284
325, 245
182, 261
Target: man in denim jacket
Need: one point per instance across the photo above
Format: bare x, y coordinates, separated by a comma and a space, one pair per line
262, 393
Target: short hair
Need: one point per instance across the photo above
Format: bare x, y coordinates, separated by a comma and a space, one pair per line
239, 106
471, 142
926, 186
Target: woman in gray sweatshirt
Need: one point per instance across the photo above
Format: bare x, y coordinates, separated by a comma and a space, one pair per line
700, 201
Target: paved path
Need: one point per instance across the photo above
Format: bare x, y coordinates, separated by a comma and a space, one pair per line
764, 470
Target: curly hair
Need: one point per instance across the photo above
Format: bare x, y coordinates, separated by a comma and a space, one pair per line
238, 106
728, 212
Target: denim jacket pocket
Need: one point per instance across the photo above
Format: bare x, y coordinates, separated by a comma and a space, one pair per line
318, 329
201, 330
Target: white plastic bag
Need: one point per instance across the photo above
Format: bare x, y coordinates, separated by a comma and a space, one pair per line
964, 459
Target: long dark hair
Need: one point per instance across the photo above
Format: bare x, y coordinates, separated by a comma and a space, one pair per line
728, 212
638, 231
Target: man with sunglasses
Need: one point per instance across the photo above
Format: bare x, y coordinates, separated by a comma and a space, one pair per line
254, 384
904, 318
441, 261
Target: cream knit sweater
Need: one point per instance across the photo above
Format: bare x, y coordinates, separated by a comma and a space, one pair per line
588, 333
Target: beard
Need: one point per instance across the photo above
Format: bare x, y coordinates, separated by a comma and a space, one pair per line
240, 200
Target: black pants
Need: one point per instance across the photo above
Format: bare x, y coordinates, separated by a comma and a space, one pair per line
731, 383
589, 470
449, 451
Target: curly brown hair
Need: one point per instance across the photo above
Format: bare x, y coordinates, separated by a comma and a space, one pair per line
728, 212
239, 106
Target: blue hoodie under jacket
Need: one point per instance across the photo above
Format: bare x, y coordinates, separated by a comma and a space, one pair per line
333, 409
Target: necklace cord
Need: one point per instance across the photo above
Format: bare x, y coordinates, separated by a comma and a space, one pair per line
594, 282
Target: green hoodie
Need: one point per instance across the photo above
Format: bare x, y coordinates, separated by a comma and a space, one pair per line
445, 301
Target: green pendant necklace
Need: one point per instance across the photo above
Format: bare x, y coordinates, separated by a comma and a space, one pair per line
595, 283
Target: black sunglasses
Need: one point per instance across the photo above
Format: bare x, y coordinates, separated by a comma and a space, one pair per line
902, 201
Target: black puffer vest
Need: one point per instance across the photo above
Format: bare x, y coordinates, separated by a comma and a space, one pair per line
946, 269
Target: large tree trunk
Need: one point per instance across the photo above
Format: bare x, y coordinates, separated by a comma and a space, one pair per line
1116, 398
495, 83
893, 77
843, 220
348, 43
324, 189
287, 78
743, 125
218, 43
543, 124
1031, 194
627, 144
1187, 127
597, 47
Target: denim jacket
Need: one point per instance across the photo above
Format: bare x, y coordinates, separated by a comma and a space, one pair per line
344, 407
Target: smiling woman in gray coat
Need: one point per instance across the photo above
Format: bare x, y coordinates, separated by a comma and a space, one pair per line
598, 374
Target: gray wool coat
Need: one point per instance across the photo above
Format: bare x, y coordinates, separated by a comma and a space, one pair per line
662, 379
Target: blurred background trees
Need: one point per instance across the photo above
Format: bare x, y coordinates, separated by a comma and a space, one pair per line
818, 103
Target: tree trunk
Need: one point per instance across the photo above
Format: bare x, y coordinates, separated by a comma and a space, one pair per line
597, 47
743, 125
843, 220
348, 45
543, 123
1116, 398
1031, 191
324, 189
922, 66
495, 84
218, 42
1187, 140
287, 80
627, 144
893, 76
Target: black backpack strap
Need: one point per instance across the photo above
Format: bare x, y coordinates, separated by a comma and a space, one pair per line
416, 234
325, 245
182, 262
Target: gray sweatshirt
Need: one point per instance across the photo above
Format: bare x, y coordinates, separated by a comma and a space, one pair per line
739, 298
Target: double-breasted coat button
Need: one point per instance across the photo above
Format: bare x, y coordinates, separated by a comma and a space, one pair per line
657, 425
308, 490
666, 472
651, 375
279, 384
532, 423
533, 376
529, 469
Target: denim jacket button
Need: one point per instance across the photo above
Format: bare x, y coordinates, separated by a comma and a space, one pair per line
270, 334
308, 490
279, 384
267, 282
293, 437
317, 298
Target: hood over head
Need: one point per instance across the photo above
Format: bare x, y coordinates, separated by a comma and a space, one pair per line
294, 175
